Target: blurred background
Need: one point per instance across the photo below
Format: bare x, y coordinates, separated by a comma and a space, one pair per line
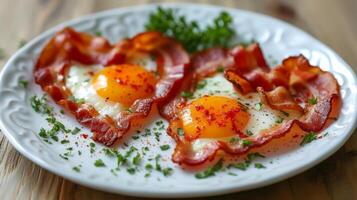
334, 22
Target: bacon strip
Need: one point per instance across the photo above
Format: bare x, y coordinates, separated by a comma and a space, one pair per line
286, 87
69, 46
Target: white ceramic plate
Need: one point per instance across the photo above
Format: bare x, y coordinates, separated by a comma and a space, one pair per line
21, 124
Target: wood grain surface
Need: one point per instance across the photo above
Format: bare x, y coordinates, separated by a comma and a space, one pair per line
334, 22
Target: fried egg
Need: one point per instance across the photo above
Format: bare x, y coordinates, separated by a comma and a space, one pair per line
217, 111
110, 89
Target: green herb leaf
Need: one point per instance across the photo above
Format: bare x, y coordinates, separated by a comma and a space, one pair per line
98, 33
279, 120
189, 34
252, 156
187, 95
211, 171
137, 159
110, 152
249, 133
242, 165
312, 101
246, 143
259, 165
165, 147
64, 141
258, 106
23, 83
201, 84
308, 138
180, 132
99, 163
75, 130
167, 171
234, 140
232, 174
157, 164
76, 169
131, 170
149, 166
220, 69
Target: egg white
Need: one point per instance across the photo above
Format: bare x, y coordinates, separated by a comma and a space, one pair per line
78, 82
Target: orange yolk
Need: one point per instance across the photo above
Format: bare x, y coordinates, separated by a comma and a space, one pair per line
213, 117
124, 83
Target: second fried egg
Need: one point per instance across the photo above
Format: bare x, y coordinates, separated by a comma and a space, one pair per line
110, 89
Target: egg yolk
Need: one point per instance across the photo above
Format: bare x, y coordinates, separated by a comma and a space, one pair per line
124, 83
213, 117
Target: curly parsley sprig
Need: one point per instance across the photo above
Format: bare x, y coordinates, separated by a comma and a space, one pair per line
191, 36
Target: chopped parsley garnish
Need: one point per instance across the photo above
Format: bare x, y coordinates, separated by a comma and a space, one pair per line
159, 123
40, 105
64, 157
149, 166
167, 171
135, 137
165, 147
188, 33
308, 138
201, 84
98, 33
246, 143
157, 136
279, 120
258, 106
131, 170
121, 159
180, 132
110, 152
249, 132
285, 113
234, 140
242, 165
92, 147
75, 130
77, 100
232, 174
252, 156
43, 133
76, 169
259, 165
99, 163
211, 171
23, 83
147, 132
186, 94
113, 172
157, 164
137, 159
312, 101
64, 141
220, 69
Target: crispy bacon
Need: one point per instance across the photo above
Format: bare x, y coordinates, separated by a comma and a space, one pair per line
68, 46
279, 99
289, 86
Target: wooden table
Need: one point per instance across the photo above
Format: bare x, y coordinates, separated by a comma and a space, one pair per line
334, 22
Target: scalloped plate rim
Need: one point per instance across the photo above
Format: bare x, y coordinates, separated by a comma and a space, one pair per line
196, 193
